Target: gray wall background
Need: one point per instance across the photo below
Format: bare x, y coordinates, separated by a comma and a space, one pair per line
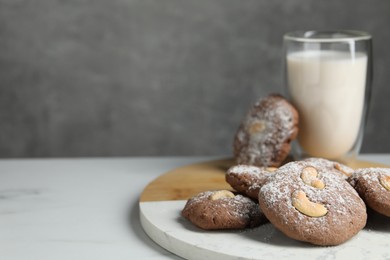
158, 77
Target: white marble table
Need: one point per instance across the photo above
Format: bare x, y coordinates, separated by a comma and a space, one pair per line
81, 208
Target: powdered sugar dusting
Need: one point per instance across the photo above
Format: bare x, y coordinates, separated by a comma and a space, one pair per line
340, 199
244, 169
335, 167
239, 206
373, 186
279, 120
250, 178
370, 175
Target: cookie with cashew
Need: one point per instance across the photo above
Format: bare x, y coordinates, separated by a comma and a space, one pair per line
248, 179
373, 185
264, 136
310, 204
222, 209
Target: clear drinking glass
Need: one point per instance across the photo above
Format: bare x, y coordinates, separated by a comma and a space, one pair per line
328, 78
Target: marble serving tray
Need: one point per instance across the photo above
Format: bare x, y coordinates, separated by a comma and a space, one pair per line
163, 199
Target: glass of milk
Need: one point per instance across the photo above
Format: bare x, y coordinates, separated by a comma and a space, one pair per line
328, 77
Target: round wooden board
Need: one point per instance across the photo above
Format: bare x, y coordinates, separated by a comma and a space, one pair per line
163, 199
184, 182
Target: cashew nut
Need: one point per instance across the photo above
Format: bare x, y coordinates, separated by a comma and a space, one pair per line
385, 181
257, 127
220, 194
343, 169
271, 169
305, 206
309, 176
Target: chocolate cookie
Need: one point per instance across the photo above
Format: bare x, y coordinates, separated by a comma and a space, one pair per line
248, 179
373, 185
222, 210
311, 204
264, 136
335, 167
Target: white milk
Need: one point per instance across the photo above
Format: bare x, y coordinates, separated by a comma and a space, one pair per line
327, 87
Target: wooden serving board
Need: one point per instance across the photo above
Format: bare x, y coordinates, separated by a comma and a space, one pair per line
163, 199
184, 182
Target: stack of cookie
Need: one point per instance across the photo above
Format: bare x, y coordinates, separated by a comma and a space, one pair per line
315, 200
